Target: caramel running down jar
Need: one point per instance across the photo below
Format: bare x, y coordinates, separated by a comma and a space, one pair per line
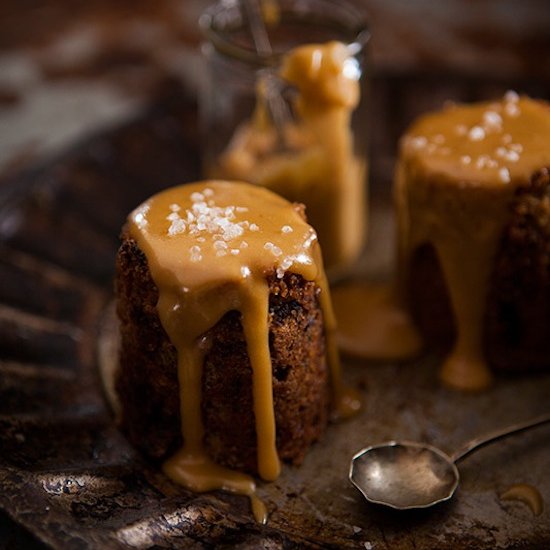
289, 113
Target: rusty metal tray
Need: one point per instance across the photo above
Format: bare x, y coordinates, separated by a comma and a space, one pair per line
69, 478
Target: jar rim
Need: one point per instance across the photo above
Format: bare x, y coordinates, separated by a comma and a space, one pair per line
214, 24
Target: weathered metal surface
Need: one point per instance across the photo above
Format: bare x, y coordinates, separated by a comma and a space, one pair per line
68, 476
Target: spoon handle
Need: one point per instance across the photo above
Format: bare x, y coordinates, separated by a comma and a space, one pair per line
499, 434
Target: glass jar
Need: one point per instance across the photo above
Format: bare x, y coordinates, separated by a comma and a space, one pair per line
290, 114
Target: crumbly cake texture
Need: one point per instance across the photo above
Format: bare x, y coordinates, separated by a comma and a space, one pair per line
517, 332
517, 318
148, 389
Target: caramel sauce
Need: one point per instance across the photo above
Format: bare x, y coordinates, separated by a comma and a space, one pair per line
372, 324
316, 163
457, 173
527, 494
209, 247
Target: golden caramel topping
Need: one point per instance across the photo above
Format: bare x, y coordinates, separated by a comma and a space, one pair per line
491, 143
203, 233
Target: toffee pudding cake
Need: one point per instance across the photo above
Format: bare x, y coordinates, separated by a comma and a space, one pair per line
473, 205
227, 362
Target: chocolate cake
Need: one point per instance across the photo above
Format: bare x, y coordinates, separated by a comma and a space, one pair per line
517, 317
473, 198
147, 381
227, 360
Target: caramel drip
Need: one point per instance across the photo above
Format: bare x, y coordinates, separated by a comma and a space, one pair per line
346, 401
457, 173
209, 247
316, 164
256, 331
372, 324
527, 494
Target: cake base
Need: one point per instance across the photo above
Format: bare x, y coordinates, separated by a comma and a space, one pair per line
148, 388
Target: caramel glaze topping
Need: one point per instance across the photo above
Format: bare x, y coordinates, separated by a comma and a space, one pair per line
372, 324
209, 247
455, 179
315, 163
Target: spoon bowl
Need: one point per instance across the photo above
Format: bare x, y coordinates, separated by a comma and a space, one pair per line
404, 475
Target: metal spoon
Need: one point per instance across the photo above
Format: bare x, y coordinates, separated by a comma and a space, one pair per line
406, 475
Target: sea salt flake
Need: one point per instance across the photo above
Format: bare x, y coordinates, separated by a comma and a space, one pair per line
217, 221
175, 207
504, 175
418, 142
512, 110
512, 156
176, 227
254, 227
268, 246
245, 271
235, 251
284, 265
476, 133
140, 220
232, 232
140, 216
492, 120
483, 161
207, 192
287, 229
195, 253
511, 96
276, 251
243, 245
230, 212
465, 159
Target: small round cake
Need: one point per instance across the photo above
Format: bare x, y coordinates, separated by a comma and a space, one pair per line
473, 203
226, 357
